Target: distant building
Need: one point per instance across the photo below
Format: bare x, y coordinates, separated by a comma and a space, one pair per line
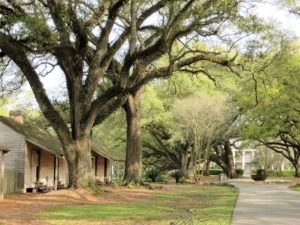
243, 159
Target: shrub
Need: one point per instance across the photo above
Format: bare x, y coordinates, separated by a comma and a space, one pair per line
239, 172
260, 172
284, 173
162, 179
182, 180
213, 171
177, 174
153, 174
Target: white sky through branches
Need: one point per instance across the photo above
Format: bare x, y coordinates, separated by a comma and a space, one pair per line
282, 18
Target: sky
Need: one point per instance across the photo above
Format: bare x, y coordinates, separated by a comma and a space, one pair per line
283, 19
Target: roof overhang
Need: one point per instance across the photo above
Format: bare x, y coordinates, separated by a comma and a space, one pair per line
43, 147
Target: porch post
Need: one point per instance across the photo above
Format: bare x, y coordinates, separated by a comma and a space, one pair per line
2, 152
56, 173
111, 170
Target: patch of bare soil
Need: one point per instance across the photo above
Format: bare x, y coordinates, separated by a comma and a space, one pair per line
20, 209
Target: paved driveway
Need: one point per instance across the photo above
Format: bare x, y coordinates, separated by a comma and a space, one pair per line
266, 204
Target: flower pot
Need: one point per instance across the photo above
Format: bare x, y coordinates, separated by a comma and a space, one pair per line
259, 177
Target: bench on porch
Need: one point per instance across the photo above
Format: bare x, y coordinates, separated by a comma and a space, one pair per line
41, 187
100, 182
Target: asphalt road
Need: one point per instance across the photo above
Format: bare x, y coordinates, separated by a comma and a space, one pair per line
266, 204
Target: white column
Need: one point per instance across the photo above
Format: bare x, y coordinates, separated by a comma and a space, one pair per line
234, 159
244, 160
282, 166
1, 175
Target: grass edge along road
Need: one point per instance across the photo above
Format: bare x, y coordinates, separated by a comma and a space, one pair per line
185, 203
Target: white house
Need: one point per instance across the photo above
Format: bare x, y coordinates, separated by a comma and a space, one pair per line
243, 158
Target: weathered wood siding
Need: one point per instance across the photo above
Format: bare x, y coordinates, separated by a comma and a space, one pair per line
62, 171
31, 163
15, 159
101, 170
9, 181
47, 168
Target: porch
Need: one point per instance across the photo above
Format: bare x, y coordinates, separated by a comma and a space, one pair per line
44, 170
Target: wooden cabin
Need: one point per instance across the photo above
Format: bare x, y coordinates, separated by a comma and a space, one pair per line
36, 157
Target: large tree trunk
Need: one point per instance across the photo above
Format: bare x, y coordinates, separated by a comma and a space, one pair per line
78, 157
297, 170
185, 164
133, 164
231, 173
207, 165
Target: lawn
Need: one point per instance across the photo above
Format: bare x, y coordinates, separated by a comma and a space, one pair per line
182, 204
295, 187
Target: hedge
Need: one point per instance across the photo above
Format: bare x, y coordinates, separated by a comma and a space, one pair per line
284, 173
213, 171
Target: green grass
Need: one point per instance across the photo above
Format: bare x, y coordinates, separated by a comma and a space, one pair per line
214, 205
295, 187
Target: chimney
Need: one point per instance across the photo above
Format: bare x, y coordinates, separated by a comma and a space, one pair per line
17, 116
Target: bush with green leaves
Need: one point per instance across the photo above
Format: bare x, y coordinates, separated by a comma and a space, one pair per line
162, 179
260, 172
283, 173
182, 180
239, 172
213, 171
153, 174
177, 174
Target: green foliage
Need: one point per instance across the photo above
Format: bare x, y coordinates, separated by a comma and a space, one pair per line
177, 174
279, 173
239, 172
260, 172
182, 180
162, 179
153, 174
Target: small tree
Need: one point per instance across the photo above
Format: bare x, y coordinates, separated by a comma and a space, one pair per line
202, 117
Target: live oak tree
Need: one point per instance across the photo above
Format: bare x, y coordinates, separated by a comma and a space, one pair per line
105, 58
272, 120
